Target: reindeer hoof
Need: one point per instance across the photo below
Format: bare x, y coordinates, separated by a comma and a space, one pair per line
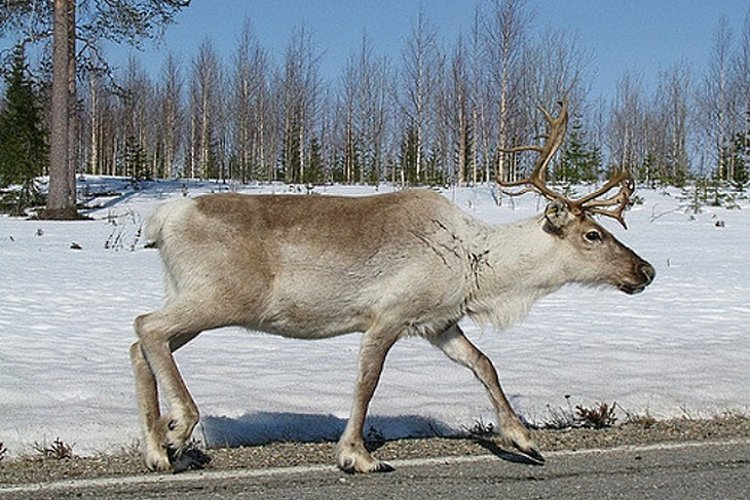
354, 458
350, 467
534, 454
158, 462
531, 452
383, 467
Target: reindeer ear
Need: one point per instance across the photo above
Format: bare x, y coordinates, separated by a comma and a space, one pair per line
556, 217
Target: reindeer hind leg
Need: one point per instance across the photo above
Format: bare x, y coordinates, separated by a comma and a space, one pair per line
146, 393
160, 333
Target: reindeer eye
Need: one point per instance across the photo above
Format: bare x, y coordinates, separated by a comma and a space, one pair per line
593, 236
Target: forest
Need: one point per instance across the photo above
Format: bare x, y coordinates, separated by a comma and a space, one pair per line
444, 112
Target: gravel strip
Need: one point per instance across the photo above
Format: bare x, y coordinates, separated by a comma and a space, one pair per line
39, 469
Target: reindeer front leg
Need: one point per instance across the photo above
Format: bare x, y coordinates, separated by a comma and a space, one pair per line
457, 347
351, 454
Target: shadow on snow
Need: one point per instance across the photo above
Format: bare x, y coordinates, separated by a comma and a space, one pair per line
268, 427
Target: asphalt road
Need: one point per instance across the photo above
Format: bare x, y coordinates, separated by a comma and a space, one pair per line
719, 470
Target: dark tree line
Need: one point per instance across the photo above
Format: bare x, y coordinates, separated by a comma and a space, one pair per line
443, 111
23, 144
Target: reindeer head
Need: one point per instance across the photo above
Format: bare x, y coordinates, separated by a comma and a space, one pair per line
597, 257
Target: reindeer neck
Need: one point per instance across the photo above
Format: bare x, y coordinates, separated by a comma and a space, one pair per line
521, 263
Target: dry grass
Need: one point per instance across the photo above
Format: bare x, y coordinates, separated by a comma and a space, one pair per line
58, 450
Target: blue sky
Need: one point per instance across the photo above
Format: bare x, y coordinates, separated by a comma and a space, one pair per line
639, 35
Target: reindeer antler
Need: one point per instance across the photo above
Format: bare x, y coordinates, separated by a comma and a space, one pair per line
555, 138
591, 203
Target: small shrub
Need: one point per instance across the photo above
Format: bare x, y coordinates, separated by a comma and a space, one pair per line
598, 417
58, 450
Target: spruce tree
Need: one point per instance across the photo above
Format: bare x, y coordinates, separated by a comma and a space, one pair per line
136, 161
579, 161
23, 141
741, 177
314, 171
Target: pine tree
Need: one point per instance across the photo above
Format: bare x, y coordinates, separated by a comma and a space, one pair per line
23, 141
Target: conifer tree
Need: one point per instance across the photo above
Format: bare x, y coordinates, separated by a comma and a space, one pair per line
23, 142
579, 161
314, 172
741, 177
136, 162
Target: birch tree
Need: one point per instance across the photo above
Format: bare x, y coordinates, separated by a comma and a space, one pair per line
627, 127
669, 137
740, 159
300, 88
461, 113
479, 102
136, 102
418, 84
241, 113
714, 102
249, 112
203, 159
505, 34
170, 117
365, 97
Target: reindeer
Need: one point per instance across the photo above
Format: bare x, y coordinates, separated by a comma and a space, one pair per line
408, 263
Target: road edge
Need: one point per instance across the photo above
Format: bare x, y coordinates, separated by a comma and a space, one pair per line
232, 474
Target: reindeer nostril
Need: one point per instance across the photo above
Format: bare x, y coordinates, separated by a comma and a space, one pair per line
647, 271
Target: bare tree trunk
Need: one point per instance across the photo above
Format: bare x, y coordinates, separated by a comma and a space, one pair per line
477, 100
61, 196
192, 147
301, 149
172, 114
72, 107
459, 101
204, 146
94, 127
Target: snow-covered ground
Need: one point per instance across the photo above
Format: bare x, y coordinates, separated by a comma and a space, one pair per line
681, 347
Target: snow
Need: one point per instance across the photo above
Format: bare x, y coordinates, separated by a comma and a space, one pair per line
680, 348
